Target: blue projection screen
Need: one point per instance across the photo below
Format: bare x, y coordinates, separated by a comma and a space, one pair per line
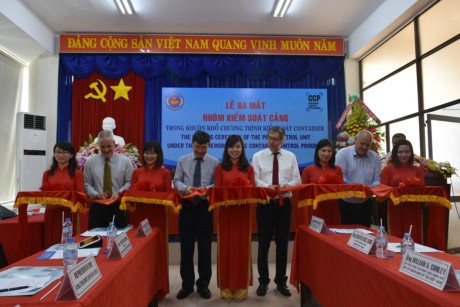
248, 112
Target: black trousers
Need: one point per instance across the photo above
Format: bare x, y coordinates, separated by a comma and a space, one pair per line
360, 214
102, 215
276, 218
195, 224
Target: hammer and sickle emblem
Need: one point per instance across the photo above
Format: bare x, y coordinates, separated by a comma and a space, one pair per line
100, 94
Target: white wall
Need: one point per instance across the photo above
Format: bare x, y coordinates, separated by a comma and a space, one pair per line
38, 97
43, 77
351, 77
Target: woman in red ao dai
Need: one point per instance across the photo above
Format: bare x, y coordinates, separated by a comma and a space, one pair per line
234, 224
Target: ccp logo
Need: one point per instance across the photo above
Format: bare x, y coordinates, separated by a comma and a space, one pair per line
314, 97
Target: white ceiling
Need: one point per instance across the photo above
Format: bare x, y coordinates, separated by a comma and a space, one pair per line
339, 18
305, 17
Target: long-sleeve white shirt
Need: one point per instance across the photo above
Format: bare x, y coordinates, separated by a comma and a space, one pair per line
288, 174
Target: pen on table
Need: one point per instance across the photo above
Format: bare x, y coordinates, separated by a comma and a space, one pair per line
14, 288
50, 291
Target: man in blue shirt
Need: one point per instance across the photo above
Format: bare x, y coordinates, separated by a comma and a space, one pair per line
359, 165
195, 170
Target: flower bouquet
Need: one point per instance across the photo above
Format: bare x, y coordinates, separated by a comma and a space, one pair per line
443, 168
358, 119
91, 148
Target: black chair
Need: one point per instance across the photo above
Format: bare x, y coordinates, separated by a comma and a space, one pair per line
3, 261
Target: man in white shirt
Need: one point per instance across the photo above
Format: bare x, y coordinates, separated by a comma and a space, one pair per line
274, 217
359, 165
119, 170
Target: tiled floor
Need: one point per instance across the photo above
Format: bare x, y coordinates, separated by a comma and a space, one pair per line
273, 297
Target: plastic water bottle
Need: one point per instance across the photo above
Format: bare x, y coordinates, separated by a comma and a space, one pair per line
407, 244
70, 254
111, 235
67, 229
381, 243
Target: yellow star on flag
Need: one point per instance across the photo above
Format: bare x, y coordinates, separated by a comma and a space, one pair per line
121, 90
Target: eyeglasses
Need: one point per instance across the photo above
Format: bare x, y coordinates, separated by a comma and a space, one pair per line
270, 138
149, 153
61, 153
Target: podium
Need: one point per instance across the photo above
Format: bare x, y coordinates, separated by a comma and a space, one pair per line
51, 231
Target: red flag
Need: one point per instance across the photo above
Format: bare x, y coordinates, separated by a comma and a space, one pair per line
96, 97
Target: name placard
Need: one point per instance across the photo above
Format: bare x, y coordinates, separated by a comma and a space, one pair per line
79, 280
361, 241
144, 229
121, 246
318, 224
434, 272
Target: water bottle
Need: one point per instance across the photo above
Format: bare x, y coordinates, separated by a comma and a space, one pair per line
381, 243
407, 244
67, 229
111, 235
70, 254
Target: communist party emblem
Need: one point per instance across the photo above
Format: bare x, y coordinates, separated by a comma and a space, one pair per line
99, 90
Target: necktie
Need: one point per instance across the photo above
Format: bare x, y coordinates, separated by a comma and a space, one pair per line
275, 179
197, 173
107, 178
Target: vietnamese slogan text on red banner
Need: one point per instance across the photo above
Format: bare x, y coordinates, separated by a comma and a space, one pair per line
151, 43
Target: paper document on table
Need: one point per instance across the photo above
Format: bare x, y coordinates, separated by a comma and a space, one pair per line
396, 248
34, 278
57, 252
17, 286
349, 231
102, 231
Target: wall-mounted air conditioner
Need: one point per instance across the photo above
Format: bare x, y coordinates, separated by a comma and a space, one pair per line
31, 151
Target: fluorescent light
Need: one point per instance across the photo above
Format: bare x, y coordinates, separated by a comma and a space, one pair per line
125, 6
128, 5
281, 8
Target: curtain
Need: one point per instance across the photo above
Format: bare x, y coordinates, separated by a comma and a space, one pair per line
88, 112
206, 71
11, 83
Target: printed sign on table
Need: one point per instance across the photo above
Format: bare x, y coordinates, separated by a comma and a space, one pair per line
361, 241
144, 229
121, 246
79, 280
318, 224
434, 272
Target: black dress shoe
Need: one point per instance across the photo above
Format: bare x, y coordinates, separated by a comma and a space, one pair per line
183, 294
204, 293
284, 290
261, 290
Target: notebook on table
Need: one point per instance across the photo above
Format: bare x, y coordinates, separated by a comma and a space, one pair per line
6, 213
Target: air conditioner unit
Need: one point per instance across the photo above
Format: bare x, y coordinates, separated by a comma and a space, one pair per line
31, 151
